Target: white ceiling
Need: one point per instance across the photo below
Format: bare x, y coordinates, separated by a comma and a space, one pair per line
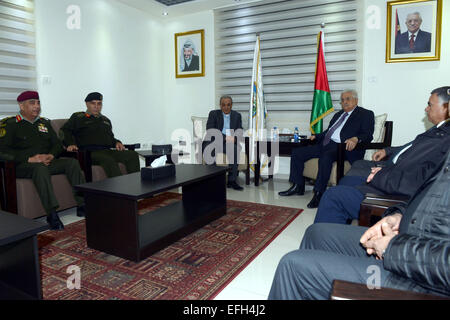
156, 9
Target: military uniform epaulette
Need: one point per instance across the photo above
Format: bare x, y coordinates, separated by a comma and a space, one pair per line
80, 114
8, 119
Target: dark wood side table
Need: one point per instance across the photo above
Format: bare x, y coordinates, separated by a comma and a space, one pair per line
267, 147
19, 261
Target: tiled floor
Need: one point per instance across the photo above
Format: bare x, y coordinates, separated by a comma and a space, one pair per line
254, 282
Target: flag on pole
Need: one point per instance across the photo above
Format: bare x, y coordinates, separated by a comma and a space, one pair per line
258, 111
322, 103
397, 25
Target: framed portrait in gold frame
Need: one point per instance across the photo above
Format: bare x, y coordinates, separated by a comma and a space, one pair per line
190, 54
413, 31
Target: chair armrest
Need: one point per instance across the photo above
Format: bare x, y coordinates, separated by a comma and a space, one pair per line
132, 146
345, 290
85, 160
387, 198
8, 189
373, 207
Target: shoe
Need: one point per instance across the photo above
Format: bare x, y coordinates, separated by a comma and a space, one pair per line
81, 211
234, 185
314, 203
294, 189
54, 222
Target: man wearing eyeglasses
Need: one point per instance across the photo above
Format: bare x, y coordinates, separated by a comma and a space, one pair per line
351, 125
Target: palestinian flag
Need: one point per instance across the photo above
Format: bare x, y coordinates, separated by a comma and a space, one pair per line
322, 103
397, 24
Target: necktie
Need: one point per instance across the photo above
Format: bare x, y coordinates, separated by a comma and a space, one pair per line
330, 132
411, 41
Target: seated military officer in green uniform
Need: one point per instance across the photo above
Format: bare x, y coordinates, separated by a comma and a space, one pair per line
35, 147
91, 130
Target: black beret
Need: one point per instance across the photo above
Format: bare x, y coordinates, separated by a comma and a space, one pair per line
93, 96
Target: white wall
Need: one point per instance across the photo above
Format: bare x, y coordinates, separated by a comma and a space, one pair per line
128, 55
117, 52
186, 97
401, 89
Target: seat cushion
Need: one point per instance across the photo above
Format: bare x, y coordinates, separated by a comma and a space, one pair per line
29, 204
99, 174
378, 134
312, 167
221, 160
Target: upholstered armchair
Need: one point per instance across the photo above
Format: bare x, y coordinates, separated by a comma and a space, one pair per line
199, 131
91, 172
382, 139
20, 196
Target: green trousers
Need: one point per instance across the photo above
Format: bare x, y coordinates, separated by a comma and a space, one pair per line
41, 176
109, 161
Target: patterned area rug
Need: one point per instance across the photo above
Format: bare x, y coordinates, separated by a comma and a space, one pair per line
198, 266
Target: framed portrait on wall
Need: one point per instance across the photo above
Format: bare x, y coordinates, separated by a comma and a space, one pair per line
190, 54
413, 30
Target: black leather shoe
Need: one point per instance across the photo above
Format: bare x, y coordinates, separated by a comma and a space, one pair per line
294, 189
314, 203
81, 211
234, 185
54, 222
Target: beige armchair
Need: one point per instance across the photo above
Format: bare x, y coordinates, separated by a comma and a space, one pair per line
91, 172
199, 131
20, 196
382, 138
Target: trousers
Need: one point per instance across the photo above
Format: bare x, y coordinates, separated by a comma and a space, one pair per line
326, 154
339, 204
327, 252
109, 161
41, 176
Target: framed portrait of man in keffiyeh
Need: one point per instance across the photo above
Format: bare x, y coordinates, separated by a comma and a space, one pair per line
190, 54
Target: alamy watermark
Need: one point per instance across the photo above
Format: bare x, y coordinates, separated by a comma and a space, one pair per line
74, 280
374, 280
73, 21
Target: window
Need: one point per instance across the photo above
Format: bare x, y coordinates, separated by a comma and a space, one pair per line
17, 52
288, 31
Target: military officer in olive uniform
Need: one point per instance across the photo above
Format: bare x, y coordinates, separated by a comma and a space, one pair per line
35, 147
90, 130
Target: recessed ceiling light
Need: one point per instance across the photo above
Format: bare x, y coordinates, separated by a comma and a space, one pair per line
165, 13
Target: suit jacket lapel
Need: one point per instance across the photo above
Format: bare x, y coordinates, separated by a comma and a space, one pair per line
220, 120
232, 120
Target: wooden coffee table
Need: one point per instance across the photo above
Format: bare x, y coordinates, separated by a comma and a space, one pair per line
114, 226
19, 261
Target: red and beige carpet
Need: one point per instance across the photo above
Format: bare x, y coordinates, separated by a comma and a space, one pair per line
198, 266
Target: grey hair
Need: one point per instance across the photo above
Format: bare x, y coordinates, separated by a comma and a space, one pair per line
225, 97
414, 13
353, 92
443, 94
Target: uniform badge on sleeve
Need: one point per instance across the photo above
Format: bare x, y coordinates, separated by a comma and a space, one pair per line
42, 128
2, 132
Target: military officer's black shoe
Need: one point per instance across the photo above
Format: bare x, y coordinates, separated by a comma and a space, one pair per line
54, 222
81, 211
314, 203
294, 189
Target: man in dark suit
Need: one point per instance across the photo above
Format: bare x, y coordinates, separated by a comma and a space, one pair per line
414, 40
351, 125
224, 128
409, 249
411, 165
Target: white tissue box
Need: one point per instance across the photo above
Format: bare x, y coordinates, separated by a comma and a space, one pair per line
149, 173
